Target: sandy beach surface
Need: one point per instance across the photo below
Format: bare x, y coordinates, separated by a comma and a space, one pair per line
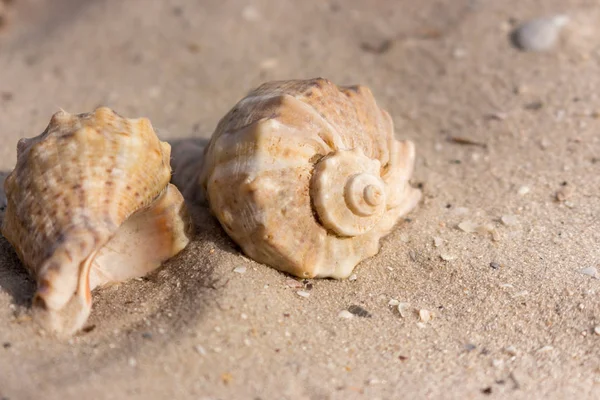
501, 251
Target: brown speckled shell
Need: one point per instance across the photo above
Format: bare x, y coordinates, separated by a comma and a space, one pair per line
73, 188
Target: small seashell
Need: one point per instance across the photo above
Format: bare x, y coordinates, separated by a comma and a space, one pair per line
539, 34
89, 202
307, 177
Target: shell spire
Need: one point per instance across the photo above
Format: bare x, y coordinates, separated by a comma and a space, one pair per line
89, 202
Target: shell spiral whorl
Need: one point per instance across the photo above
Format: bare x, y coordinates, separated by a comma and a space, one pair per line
307, 177
347, 192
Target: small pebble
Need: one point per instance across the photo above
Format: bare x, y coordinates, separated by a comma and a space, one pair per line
240, 270
132, 362
359, 311
497, 363
302, 293
539, 34
523, 190
200, 350
590, 271
352, 277
509, 220
597, 330
565, 193
437, 241
468, 226
425, 315
494, 265
345, 314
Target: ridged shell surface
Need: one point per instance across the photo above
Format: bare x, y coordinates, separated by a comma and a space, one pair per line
307, 177
89, 202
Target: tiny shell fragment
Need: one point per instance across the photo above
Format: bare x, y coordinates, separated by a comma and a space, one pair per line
403, 309
424, 315
240, 270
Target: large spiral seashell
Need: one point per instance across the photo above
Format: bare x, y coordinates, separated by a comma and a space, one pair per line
89, 202
307, 177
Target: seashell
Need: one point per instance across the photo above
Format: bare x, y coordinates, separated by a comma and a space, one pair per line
307, 177
89, 202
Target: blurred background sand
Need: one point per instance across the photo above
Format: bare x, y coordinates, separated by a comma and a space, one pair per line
506, 139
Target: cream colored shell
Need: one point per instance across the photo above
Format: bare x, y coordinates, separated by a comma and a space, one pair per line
89, 202
307, 177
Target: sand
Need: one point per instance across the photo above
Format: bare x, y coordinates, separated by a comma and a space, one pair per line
512, 316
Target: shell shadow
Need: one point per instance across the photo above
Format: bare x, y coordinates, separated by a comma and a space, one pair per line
187, 155
14, 279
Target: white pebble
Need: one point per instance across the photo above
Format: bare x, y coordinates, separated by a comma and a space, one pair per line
302, 293
523, 190
437, 241
590, 271
496, 363
200, 350
468, 226
132, 362
393, 303
509, 220
597, 330
425, 315
539, 34
353, 277
345, 314
240, 270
